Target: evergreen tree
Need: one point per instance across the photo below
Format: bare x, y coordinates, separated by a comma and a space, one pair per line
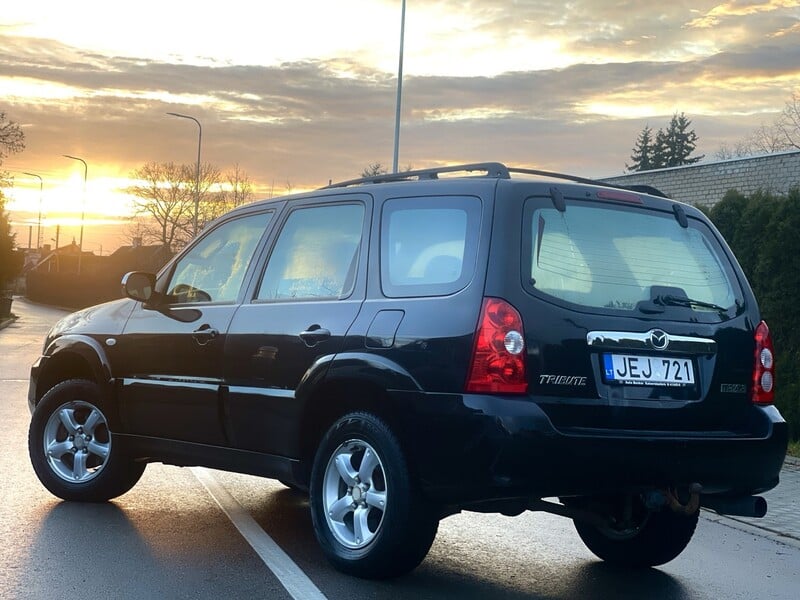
12, 139
9, 263
642, 157
672, 147
681, 142
660, 151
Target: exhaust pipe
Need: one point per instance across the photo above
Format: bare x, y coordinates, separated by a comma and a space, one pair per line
744, 506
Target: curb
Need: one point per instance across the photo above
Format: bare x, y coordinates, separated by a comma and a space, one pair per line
7, 321
760, 531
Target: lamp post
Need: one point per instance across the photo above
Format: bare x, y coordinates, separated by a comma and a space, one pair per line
399, 89
197, 171
83, 207
39, 223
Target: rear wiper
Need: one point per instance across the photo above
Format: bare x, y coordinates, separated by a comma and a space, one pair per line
670, 300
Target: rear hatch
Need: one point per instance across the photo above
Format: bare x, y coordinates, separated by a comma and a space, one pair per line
636, 316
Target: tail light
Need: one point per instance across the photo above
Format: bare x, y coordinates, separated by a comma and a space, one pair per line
763, 367
498, 359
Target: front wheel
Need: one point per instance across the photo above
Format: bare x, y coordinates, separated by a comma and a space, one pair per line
636, 536
71, 447
368, 517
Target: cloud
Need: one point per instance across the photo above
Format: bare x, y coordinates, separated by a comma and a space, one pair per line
739, 9
310, 120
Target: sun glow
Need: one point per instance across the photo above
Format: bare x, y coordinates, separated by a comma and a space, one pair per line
24, 87
65, 196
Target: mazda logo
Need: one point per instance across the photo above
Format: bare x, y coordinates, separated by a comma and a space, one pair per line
659, 339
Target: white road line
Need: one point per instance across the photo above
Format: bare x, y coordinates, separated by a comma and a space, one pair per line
288, 573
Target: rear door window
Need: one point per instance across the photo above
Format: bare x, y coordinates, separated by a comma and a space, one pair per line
316, 254
428, 245
617, 258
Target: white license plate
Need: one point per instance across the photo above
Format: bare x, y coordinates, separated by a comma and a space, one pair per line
647, 370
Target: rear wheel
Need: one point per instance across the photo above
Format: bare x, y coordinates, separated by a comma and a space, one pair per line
368, 517
636, 536
71, 447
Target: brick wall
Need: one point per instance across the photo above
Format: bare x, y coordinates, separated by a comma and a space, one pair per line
705, 184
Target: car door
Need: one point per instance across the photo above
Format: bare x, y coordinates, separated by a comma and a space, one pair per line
309, 294
170, 357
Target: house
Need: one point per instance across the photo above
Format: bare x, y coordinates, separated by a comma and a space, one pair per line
71, 278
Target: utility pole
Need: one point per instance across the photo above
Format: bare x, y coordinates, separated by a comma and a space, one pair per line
197, 171
399, 90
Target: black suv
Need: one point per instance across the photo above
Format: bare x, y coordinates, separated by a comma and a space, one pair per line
408, 346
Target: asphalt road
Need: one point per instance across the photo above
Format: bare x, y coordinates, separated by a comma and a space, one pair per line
195, 533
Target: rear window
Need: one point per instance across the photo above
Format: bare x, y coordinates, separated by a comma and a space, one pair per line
618, 258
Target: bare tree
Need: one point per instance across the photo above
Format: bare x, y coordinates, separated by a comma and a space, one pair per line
788, 123
12, 139
213, 202
766, 140
239, 189
740, 149
374, 169
165, 195
136, 232
783, 134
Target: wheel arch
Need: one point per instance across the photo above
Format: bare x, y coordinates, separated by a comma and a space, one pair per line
73, 357
353, 382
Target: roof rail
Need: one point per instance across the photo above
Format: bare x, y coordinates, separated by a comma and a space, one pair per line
645, 189
555, 175
491, 169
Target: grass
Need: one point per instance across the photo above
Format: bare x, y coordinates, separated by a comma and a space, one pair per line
794, 448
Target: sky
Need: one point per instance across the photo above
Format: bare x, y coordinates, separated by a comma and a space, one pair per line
299, 93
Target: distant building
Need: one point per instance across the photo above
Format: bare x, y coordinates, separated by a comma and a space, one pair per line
58, 279
137, 258
65, 260
705, 184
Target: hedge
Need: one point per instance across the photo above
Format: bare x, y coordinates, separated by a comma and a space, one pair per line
763, 230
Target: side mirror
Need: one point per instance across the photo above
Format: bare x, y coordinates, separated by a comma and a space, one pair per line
139, 285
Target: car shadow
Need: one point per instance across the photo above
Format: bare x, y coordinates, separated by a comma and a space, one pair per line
285, 516
136, 548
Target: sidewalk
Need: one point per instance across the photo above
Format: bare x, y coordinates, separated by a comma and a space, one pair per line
782, 521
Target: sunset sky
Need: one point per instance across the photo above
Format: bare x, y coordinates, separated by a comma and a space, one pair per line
301, 92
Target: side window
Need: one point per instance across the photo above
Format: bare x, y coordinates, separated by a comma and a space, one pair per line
315, 255
428, 245
213, 269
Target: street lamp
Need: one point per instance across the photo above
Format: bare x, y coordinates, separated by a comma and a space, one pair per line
83, 206
399, 90
197, 171
39, 224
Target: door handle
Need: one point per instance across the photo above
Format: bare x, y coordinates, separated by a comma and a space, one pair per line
204, 334
314, 335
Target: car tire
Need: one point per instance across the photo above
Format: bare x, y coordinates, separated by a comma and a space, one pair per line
368, 517
654, 539
71, 447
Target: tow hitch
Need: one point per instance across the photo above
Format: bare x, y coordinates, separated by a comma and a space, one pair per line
658, 499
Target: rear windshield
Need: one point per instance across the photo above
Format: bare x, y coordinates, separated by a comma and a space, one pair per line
618, 258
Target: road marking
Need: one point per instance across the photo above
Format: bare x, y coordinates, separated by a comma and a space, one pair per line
285, 569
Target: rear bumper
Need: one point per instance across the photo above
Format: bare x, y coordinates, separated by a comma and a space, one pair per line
473, 448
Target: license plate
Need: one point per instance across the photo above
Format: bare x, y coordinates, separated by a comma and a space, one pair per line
647, 370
